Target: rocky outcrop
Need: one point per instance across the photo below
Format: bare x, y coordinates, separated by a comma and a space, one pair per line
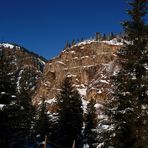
89, 63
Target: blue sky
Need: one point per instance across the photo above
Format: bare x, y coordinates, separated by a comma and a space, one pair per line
44, 26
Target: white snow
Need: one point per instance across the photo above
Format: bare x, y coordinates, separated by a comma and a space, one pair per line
38, 135
82, 91
84, 103
3, 93
82, 47
100, 145
104, 81
134, 77
75, 58
18, 80
88, 66
41, 61
60, 62
144, 107
110, 42
128, 109
146, 66
99, 92
113, 42
83, 57
1, 106
85, 146
102, 116
110, 66
105, 126
7, 45
50, 101
89, 41
72, 51
13, 96
98, 106
70, 75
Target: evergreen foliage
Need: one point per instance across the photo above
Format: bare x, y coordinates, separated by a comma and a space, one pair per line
68, 45
97, 37
104, 37
42, 127
73, 42
70, 116
26, 113
7, 98
90, 132
16, 113
129, 105
27, 80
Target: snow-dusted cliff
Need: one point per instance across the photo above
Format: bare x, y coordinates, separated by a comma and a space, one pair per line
90, 64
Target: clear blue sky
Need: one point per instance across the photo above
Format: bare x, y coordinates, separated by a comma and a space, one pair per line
44, 26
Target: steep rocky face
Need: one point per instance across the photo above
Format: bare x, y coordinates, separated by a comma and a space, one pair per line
26, 66
89, 63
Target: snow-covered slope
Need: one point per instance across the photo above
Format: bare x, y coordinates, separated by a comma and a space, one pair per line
7, 45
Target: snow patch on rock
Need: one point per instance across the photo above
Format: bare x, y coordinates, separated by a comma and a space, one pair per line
6, 45
82, 91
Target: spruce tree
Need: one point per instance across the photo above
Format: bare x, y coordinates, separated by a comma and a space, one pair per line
98, 36
129, 105
67, 45
70, 116
42, 126
26, 113
90, 132
104, 37
15, 113
73, 42
7, 99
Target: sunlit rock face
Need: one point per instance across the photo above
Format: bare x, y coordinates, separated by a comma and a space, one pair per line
89, 63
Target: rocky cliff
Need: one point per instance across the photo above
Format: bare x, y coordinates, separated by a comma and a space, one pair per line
89, 63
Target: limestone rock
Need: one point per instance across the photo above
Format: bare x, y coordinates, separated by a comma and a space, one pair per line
89, 63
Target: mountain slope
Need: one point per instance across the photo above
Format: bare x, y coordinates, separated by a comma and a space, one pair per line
27, 66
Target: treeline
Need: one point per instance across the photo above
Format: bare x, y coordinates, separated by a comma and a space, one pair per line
98, 37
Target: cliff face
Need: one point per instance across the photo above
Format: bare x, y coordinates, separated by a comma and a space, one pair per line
89, 63
26, 66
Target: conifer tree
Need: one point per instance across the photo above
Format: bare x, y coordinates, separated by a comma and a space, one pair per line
73, 42
15, 114
104, 37
98, 36
90, 132
7, 99
26, 113
67, 44
82, 39
70, 116
129, 104
42, 126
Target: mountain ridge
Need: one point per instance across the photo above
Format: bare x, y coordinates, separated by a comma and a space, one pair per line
90, 63
25, 65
